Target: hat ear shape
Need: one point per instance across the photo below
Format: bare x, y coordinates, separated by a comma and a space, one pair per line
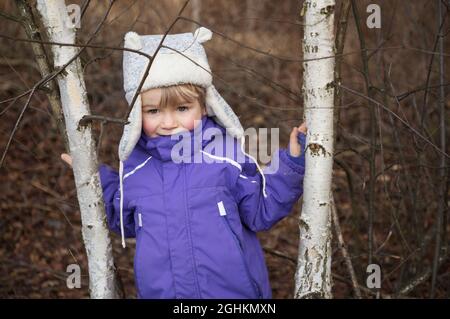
132, 41
202, 34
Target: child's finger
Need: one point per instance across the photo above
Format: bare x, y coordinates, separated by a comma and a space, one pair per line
66, 158
294, 146
302, 128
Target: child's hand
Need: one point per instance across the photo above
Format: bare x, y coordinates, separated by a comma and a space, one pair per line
295, 148
67, 158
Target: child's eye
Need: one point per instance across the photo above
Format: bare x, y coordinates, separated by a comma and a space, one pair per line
152, 111
183, 108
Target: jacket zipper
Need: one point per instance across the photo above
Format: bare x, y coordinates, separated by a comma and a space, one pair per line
256, 288
138, 245
186, 214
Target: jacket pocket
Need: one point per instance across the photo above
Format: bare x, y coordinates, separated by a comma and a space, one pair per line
254, 284
220, 266
152, 266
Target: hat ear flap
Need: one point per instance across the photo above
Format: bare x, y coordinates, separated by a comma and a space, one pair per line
218, 107
132, 41
202, 34
132, 130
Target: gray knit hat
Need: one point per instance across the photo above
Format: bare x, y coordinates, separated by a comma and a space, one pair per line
182, 60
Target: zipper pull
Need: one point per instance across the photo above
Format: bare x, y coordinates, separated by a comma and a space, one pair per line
140, 219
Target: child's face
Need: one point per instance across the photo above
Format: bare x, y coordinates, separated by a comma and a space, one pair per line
171, 119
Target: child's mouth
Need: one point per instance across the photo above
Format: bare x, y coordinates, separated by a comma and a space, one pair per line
175, 131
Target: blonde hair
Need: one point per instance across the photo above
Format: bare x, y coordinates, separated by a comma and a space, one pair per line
175, 94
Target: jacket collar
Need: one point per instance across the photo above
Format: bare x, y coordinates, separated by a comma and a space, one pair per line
161, 146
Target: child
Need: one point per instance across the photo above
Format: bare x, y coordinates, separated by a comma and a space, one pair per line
195, 223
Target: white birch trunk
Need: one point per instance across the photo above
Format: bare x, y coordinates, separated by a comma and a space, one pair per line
313, 274
102, 275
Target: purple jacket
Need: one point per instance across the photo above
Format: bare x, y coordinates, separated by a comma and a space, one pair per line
195, 223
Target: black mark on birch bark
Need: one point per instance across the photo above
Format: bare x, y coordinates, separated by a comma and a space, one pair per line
316, 148
327, 10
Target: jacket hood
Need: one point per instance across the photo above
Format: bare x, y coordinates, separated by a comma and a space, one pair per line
192, 141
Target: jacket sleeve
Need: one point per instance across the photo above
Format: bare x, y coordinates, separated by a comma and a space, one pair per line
284, 186
111, 196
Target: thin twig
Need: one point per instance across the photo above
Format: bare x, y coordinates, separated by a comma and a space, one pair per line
343, 248
413, 130
440, 231
369, 92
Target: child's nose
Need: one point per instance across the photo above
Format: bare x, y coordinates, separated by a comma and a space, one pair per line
168, 121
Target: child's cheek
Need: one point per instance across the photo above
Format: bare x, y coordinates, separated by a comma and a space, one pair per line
148, 126
193, 124
189, 123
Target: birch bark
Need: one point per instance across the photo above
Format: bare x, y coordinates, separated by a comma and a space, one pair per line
103, 281
313, 274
